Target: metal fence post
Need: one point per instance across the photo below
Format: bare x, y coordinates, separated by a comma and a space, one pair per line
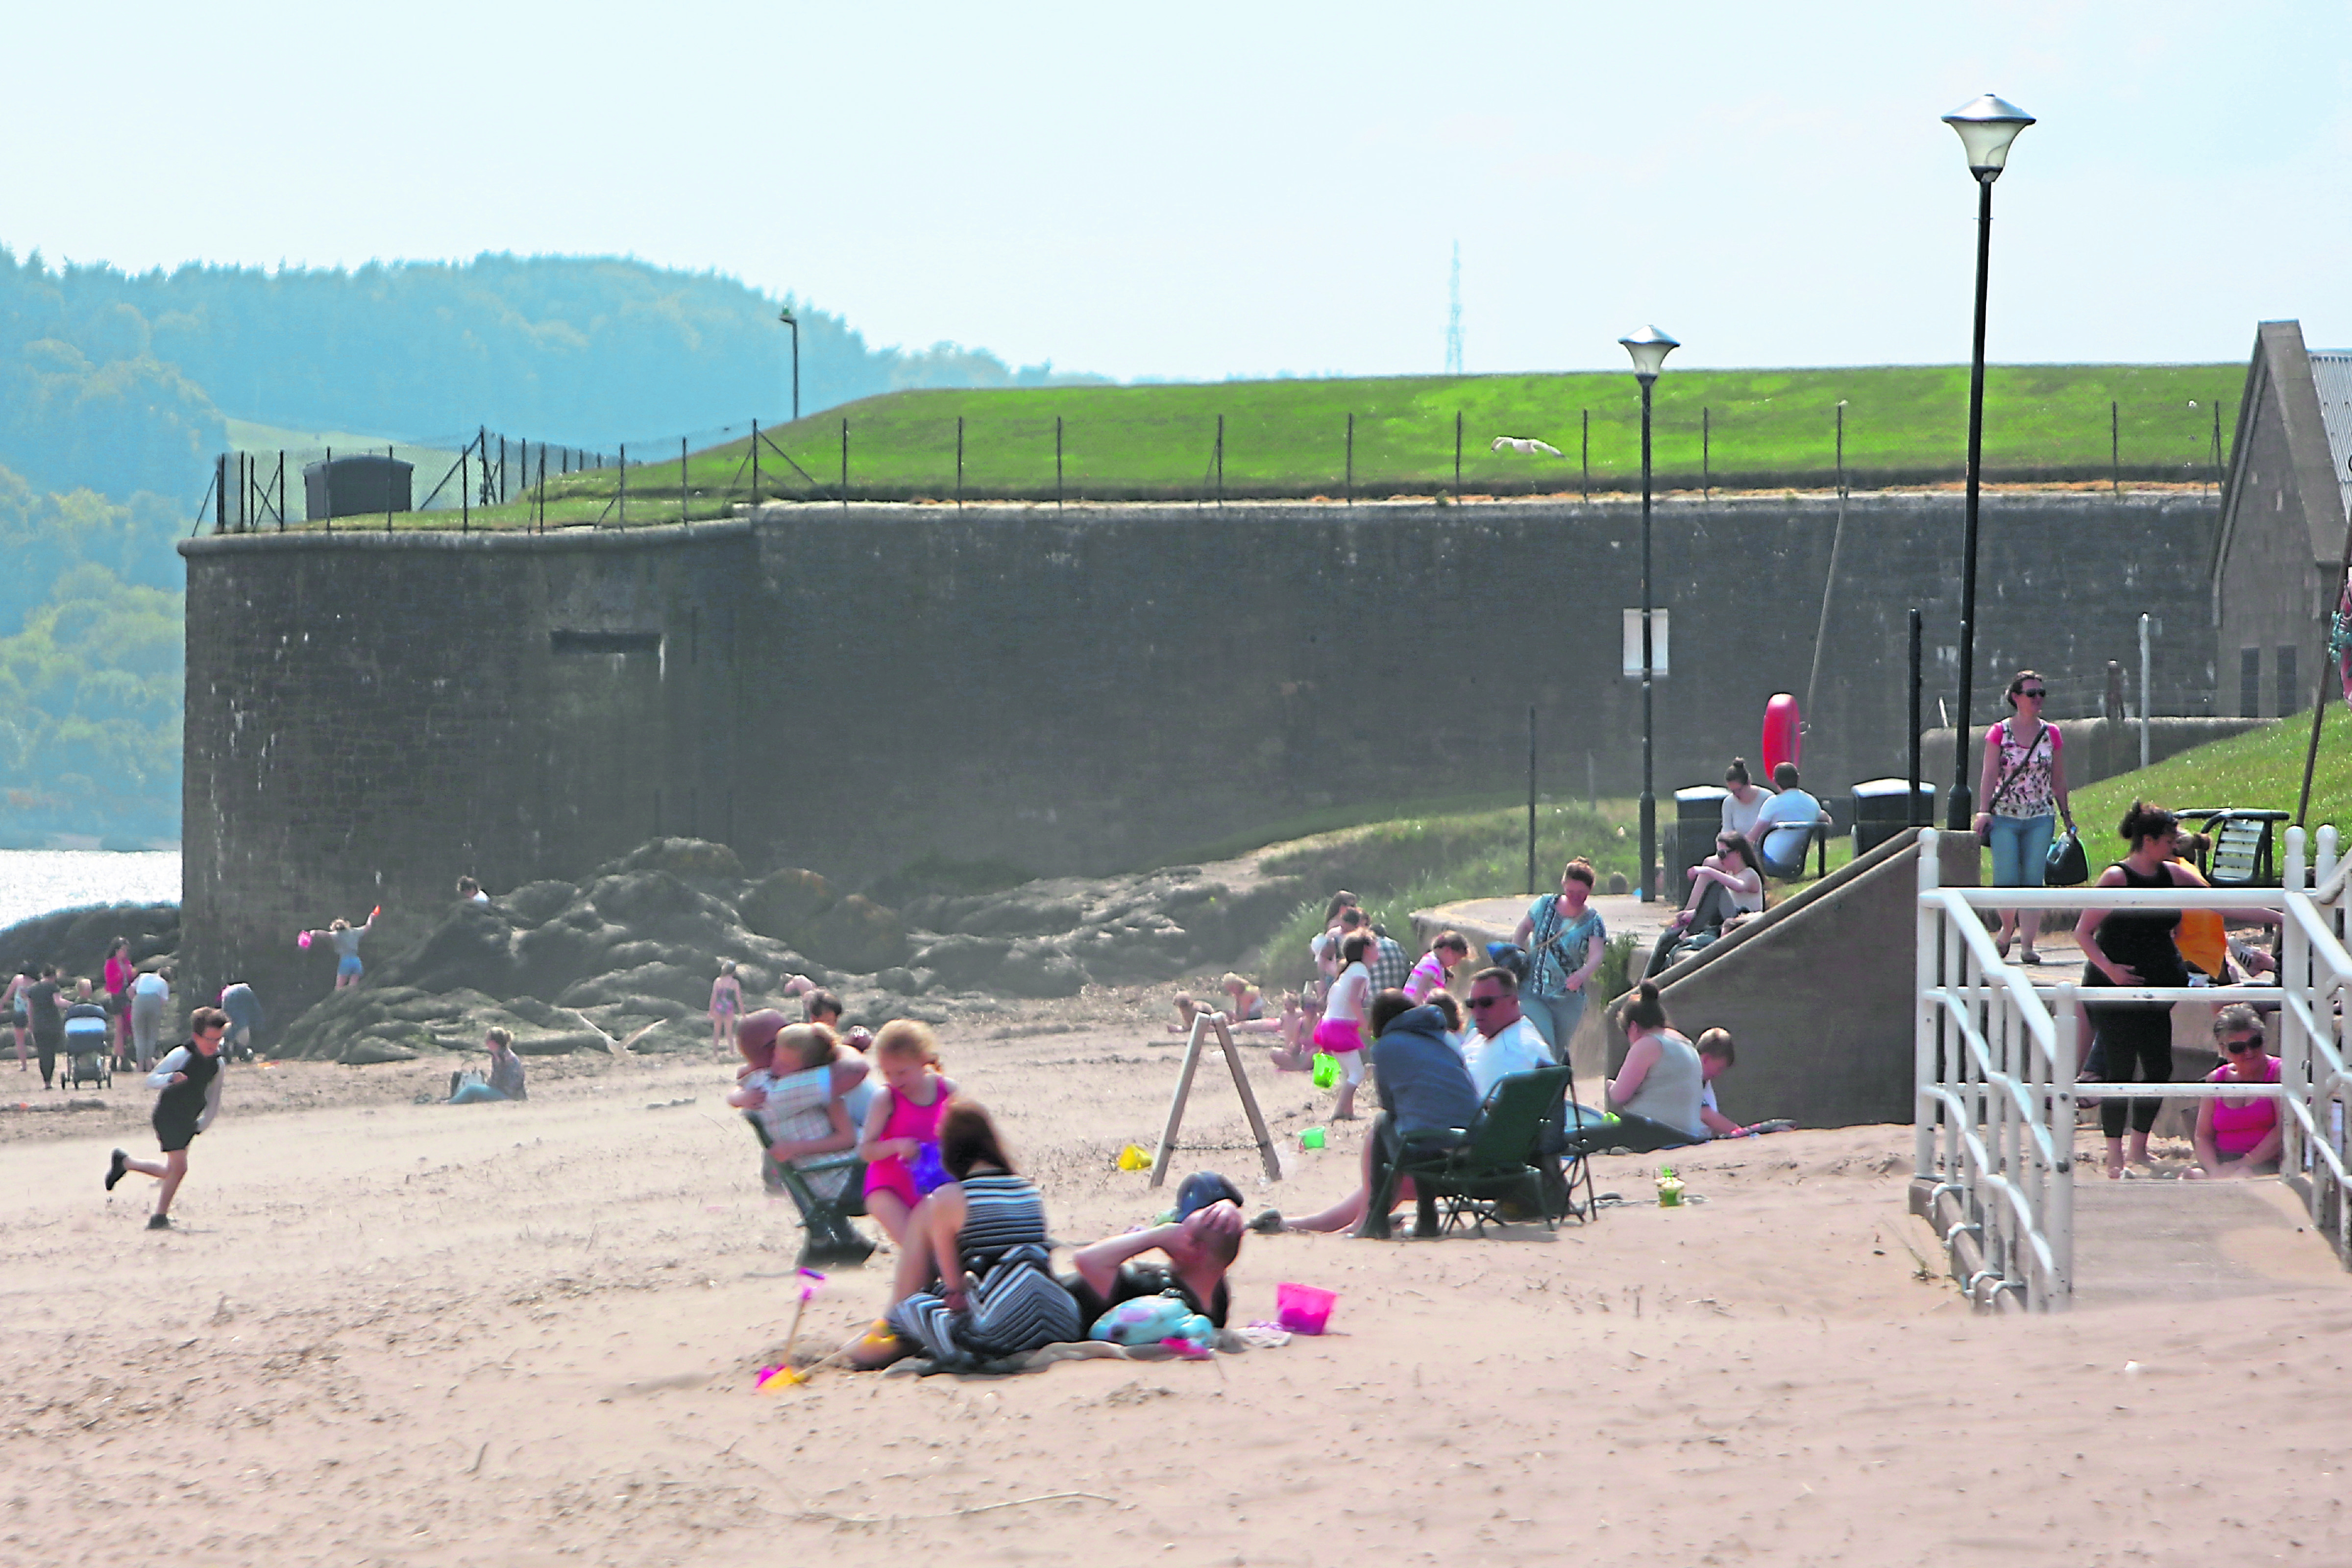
389, 459
1057, 459
682, 516
622, 467
1706, 453
1457, 454
1927, 1012
326, 483
1220, 460
1587, 493
1349, 480
844, 464
2114, 450
959, 459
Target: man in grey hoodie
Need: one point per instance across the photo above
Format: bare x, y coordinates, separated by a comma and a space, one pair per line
1426, 1097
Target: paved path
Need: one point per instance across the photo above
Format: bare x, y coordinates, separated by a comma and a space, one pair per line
2191, 1241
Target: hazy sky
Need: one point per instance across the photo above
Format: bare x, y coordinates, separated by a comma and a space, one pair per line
1219, 189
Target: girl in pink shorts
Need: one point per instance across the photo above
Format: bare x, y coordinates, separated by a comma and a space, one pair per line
1341, 1031
902, 1121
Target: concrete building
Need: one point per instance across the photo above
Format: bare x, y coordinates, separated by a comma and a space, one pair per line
2279, 555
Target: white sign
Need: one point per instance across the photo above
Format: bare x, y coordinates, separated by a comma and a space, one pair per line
1633, 643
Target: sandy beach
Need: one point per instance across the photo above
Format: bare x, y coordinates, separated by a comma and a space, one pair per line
519, 1334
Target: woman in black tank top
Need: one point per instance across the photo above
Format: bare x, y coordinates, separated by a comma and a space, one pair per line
2134, 947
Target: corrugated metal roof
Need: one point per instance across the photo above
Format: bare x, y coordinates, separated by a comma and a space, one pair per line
2331, 373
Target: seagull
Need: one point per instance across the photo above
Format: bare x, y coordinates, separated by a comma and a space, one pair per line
1523, 444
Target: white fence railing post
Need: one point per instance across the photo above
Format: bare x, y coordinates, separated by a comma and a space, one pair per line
1927, 1017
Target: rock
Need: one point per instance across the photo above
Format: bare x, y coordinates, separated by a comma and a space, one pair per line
899, 978
471, 949
1040, 969
961, 961
785, 904
1019, 914
76, 939
535, 903
857, 934
694, 858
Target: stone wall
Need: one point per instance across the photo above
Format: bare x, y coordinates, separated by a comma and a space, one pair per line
852, 689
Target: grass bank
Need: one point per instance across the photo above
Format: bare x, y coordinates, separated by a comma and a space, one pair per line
2262, 768
1742, 430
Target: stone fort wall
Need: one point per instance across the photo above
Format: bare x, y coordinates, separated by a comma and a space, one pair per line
371, 714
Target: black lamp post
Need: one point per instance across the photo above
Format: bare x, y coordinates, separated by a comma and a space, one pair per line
1987, 127
1649, 348
786, 317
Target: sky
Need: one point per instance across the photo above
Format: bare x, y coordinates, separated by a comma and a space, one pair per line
1248, 189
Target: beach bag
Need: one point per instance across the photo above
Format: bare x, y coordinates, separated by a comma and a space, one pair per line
1327, 1069
2066, 866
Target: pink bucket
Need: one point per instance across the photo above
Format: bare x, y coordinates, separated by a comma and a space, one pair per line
1302, 1308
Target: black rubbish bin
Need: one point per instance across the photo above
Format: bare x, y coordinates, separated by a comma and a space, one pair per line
1698, 817
1880, 811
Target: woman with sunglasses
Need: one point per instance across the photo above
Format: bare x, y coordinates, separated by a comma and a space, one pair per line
2023, 788
1725, 884
2237, 1138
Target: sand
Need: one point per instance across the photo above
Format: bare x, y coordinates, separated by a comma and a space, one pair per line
389, 1332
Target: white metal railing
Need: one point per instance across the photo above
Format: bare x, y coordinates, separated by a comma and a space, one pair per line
1996, 1056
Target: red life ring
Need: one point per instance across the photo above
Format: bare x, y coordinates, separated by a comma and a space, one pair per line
1782, 738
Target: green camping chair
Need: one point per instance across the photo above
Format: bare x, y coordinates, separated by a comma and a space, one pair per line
1498, 1160
827, 1235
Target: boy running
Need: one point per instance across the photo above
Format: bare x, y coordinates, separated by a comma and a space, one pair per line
190, 1079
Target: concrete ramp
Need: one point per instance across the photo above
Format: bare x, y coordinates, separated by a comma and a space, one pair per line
1819, 992
2192, 1241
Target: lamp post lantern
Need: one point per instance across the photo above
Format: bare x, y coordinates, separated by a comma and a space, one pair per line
786, 317
1649, 348
1987, 127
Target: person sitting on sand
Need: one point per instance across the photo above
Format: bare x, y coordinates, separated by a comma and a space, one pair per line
2237, 1138
1186, 1010
1245, 1002
1449, 951
902, 1124
1658, 1092
1426, 1100
1503, 1041
1200, 1246
972, 1281
1716, 1055
506, 1079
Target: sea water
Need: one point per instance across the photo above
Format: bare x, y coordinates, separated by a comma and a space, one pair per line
41, 881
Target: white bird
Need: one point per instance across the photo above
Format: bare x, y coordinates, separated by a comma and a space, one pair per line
1523, 444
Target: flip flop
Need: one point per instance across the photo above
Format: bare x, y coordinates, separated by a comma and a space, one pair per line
114, 1171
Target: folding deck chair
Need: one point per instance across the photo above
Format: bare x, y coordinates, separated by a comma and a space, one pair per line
827, 1235
1501, 1158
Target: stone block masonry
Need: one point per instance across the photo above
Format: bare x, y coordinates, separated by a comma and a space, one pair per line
1077, 691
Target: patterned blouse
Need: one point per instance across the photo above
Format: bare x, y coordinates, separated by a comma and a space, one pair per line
2029, 792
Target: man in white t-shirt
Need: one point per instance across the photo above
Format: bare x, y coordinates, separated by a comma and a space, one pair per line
1785, 825
1504, 1042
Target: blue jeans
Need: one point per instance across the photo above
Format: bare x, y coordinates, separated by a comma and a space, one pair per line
475, 1094
2021, 849
1555, 1018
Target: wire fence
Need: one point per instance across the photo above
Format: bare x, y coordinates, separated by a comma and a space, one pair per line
930, 448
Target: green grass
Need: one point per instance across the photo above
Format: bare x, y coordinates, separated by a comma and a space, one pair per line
1762, 429
2261, 769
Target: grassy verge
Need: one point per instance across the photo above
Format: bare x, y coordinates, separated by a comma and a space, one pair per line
2262, 768
1741, 429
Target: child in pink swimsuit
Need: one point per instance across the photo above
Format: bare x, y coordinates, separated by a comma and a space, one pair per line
903, 1118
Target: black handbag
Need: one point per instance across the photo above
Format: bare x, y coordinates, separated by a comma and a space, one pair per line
2066, 866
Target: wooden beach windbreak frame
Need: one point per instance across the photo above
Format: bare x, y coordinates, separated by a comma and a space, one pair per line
1203, 1023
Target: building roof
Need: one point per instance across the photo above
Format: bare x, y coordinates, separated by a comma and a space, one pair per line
2331, 374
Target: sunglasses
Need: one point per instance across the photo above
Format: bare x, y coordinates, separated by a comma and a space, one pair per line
2036, 692
2235, 1047
1479, 1003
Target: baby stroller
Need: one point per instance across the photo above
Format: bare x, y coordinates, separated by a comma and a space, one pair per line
88, 1059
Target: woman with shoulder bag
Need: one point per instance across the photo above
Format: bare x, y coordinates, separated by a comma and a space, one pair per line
2023, 787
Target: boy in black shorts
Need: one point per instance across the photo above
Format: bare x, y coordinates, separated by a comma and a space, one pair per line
190, 1079
1200, 1247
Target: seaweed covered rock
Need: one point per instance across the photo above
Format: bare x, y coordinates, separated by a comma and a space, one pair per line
77, 940
367, 1024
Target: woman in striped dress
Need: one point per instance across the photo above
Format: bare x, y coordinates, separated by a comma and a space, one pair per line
973, 1280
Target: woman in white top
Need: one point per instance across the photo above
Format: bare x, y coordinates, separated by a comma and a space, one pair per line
1743, 799
1725, 884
